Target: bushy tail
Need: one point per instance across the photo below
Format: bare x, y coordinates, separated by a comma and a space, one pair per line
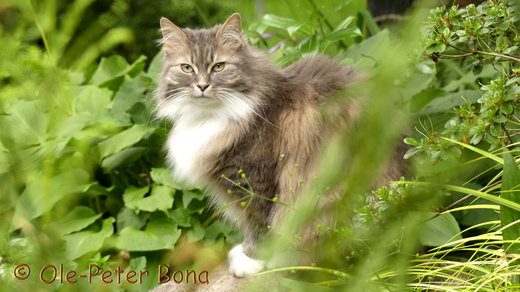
322, 73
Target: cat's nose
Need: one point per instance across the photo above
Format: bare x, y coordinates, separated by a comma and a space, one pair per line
202, 87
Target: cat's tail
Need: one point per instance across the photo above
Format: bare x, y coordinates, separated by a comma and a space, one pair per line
322, 73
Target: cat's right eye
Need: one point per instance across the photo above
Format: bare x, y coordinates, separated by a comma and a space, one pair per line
186, 68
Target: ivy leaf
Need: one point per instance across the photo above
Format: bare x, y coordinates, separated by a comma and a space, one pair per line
159, 234
161, 198
127, 217
180, 216
188, 196
164, 177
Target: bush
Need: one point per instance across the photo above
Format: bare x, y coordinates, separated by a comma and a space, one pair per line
83, 174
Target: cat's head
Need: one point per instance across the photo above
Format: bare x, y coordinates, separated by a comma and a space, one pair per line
206, 69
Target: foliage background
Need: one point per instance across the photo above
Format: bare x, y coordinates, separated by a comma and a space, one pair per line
82, 166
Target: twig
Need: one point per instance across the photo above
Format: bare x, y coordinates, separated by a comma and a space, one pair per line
507, 133
475, 53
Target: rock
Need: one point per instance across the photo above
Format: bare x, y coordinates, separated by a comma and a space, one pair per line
220, 280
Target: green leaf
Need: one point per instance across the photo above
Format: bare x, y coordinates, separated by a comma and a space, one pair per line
411, 152
42, 192
439, 230
124, 139
92, 100
4, 159
80, 243
130, 93
109, 68
156, 66
343, 34
477, 150
345, 23
278, 22
30, 121
362, 54
449, 101
411, 141
77, 219
164, 176
196, 232
188, 196
511, 192
180, 216
161, 198
127, 217
159, 234
124, 157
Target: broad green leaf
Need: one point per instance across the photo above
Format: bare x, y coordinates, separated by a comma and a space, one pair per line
28, 121
4, 158
131, 92
164, 176
180, 216
123, 140
439, 230
362, 54
449, 101
218, 228
196, 232
188, 196
159, 234
510, 191
92, 100
128, 217
77, 219
42, 192
80, 243
109, 68
123, 157
155, 68
161, 198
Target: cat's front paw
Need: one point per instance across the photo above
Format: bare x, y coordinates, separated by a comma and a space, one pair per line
240, 265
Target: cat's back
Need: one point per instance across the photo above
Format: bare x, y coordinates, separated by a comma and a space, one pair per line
323, 74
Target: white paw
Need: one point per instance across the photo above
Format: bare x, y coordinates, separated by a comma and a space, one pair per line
240, 265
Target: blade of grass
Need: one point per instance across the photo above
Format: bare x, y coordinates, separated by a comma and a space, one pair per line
477, 150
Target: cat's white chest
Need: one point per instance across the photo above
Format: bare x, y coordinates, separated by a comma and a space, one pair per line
188, 143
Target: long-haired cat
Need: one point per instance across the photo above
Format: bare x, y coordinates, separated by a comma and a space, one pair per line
243, 128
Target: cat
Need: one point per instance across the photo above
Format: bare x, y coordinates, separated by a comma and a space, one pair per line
243, 126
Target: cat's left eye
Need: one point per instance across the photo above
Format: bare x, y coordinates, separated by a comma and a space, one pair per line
218, 67
186, 68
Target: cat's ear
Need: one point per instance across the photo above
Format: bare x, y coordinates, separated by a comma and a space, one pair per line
229, 34
174, 39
